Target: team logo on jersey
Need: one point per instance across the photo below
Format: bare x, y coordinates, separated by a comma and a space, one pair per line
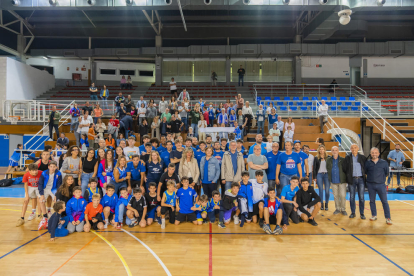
290, 164
271, 210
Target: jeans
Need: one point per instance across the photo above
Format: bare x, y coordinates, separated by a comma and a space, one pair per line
241, 77
119, 185
84, 181
56, 127
95, 119
74, 123
122, 125
380, 189
322, 180
208, 189
195, 129
358, 183
117, 108
390, 177
77, 137
61, 230
284, 181
321, 123
272, 183
94, 97
339, 192
184, 120
121, 213
260, 125
104, 102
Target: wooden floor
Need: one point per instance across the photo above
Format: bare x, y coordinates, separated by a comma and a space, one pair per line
338, 246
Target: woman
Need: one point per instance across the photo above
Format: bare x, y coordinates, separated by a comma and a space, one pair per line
172, 105
104, 96
105, 170
141, 113
272, 118
162, 106
269, 143
209, 172
155, 127
320, 141
101, 155
119, 153
290, 123
269, 108
133, 112
120, 138
75, 113
227, 105
89, 168
98, 113
189, 167
143, 128
155, 169
61, 159
248, 113
319, 169
242, 122
218, 110
129, 83
109, 141
202, 124
120, 177
123, 82
71, 164
232, 117
100, 129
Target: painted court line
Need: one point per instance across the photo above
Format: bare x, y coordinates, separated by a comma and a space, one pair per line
152, 252
383, 256
210, 254
405, 202
128, 271
73, 256
22, 245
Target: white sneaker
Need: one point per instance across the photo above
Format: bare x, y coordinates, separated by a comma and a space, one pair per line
106, 225
373, 218
32, 216
163, 224
49, 214
388, 221
236, 220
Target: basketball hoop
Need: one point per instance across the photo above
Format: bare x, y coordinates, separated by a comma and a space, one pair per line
13, 119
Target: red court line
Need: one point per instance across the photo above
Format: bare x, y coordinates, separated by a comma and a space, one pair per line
73, 255
210, 255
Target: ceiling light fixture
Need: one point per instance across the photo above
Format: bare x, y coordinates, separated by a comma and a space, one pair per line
344, 16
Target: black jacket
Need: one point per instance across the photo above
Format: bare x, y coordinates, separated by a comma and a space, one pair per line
316, 165
227, 202
304, 198
347, 167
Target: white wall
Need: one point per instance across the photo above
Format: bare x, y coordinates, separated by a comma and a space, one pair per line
63, 68
389, 67
332, 67
23, 82
124, 66
3, 77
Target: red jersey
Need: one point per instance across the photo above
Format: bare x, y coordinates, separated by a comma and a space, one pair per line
114, 122
271, 206
205, 114
32, 181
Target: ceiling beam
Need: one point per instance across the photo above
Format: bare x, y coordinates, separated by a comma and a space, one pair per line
9, 50
151, 21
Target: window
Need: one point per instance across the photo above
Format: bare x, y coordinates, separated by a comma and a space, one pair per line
108, 71
146, 73
127, 72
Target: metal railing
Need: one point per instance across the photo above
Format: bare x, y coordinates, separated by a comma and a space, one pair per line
25, 110
405, 107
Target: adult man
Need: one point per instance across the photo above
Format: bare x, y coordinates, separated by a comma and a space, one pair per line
241, 73
239, 102
165, 177
209, 141
354, 168
337, 178
136, 172
163, 145
308, 208
84, 123
201, 152
102, 145
126, 123
377, 170
94, 92
183, 114
259, 140
275, 132
272, 160
260, 115
322, 113
232, 166
175, 124
222, 118
63, 140
184, 95
173, 87
131, 150
165, 155
213, 78
151, 113
194, 142
396, 158
257, 161
54, 118
195, 116
118, 100
141, 101
303, 158
310, 162
129, 102
87, 108
280, 127
177, 154
288, 165
166, 115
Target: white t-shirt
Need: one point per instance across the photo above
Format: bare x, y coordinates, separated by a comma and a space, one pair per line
85, 129
49, 184
129, 151
323, 110
142, 110
173, 86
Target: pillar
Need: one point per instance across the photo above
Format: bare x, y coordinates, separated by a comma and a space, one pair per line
228, 76
298, 70
21, 45
158, 70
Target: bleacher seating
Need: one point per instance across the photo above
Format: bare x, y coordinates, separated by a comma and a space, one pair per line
196, 91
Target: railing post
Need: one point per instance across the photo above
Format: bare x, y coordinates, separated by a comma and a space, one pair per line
383, 129
319, 93
398, 108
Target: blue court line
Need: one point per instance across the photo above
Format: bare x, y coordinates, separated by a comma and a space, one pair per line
382, 255
23, 245
343, 229
336, 224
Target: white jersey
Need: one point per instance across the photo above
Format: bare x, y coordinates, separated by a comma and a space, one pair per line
259, 190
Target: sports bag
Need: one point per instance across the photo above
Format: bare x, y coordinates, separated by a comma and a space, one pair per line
409, 189
6, 182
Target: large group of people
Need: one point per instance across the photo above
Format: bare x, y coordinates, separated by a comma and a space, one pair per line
199, 177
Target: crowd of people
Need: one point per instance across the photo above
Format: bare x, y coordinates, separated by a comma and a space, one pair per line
200, 178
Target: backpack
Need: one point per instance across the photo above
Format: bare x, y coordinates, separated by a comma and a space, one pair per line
6, 182
409, 189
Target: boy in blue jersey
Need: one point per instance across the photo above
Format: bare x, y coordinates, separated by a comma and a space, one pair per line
201, 152
14, 159
93, 189
245, 197
186, 196
145, 139
274, 214
288, 198
108, 203
168, 203
201, 208
229, 205
121, 207
214, 206
259, 193
75, 209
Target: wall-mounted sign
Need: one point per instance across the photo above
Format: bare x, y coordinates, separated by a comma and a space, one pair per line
319, 65
67, 68
83, 68
379, 65
77, 68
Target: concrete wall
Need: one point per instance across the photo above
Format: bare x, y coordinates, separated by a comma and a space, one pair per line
389, 71
322, 70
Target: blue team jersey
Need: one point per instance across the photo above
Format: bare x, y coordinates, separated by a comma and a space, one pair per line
16, 155
212, 204
136, 171
272, 161
170, 199
122, 173
109, 201
186, 199
161, 149
288, 163
203, 209
198, 155
273, 206
272, 119
218, 155
165, 157
303, 156
238, 132
288, 193
142, 149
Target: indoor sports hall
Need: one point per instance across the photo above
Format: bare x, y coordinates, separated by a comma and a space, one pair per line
206, 137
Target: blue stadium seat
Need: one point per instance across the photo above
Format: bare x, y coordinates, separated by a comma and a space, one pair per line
259, 99
261, 102
314, 98
344, 108
294, 108
283, 108
333, 98
286, 98
280, 103
313, 108
365, 108
299, 103
338, 103
352, 98
354, 108
357, 103
328, 103
290, 103
348, 103
342, 98
268, 99
305, 99
324, 98
276, 98
334, 108
296, 98
304, 108
308, 103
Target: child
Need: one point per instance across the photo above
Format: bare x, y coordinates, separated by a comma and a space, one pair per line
229, 205
245, 196
84, 143
108, 203
48, 189
259, 193
274, 213
120, 209
136, 209
168, 203
201, 209
153, 204
93, 189
31, 181
76, 211
14, 159
214, 206
190, 133
56, 225
93, 214
186, 196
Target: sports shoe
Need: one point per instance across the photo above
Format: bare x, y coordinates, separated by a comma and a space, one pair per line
336, 212
267, 229
363, 217
261, 222
236, 220
388, 221
278, 230
312, 222
133, 224
344, 213
163, 224
119, 226
352, 215
205, 221
322, 206
326, 206
42, 224
159, 220
373, 218
106, 225
31, 217
221, 225
20, 222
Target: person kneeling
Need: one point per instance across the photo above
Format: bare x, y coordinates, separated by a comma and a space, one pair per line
229, 205
56, 226
274, 213
308, 208
136, 209
93, 215
201, 209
